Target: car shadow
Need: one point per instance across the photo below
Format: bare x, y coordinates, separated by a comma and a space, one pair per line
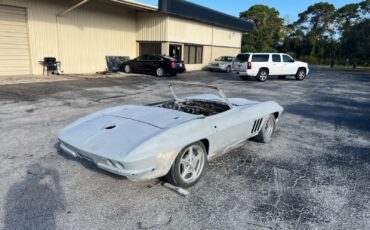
34, 202
87, 164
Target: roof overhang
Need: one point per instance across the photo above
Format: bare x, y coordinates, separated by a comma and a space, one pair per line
133, 5
188, 10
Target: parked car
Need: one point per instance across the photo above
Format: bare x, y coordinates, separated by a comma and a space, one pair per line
263, 65
223, 63
154, 64
173, 138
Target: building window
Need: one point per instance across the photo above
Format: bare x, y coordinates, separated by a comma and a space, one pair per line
193, 54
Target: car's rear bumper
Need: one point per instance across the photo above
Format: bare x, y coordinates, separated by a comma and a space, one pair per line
245, 73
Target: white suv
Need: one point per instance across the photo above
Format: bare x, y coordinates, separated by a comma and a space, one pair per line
262, 65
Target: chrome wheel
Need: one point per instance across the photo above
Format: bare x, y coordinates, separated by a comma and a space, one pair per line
228, 69
267, 130
262, 75
192, 163
159, 72
301, 74
127, 69
269, 127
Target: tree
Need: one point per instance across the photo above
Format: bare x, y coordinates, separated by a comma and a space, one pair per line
356, 43
347, 16
318, 22
268, 31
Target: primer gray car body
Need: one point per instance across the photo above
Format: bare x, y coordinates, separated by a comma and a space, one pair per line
141, 142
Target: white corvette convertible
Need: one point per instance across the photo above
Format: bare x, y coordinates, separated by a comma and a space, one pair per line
174, 138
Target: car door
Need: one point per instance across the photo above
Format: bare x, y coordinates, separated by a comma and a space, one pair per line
152, 63
138, 64
276, 65
229, 128
288, 65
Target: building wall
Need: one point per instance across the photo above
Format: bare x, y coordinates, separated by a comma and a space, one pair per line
82, 38
216, 41
152, 27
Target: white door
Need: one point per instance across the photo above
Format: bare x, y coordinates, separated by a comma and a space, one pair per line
229, 127
276, 65
14, 47
289, 67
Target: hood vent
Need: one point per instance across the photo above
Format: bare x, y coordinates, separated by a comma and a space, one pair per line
111, 127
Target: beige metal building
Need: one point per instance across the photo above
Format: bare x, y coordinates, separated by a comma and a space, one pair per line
81, 33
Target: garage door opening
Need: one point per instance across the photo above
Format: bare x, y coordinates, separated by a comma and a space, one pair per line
14, 47
150, 48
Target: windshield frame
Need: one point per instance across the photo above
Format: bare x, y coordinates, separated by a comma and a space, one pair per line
220, 92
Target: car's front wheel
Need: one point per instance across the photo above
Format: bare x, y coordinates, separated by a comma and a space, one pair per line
301, 74
188, 166
268, 129
128, 69
262, 75
159, 72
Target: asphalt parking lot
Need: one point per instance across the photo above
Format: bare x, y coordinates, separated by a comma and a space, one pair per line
315, 174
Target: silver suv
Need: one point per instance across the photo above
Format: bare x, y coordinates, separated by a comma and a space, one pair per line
262, 65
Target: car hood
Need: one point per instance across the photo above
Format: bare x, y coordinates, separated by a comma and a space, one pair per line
115, 132
300, 63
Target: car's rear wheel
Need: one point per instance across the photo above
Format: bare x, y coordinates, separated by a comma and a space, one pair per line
282, 77
301, 74
159, 72
128, 69
228, 69
268, 129
188, 166
262, 75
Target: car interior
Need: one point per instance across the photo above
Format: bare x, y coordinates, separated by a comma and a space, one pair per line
195, 106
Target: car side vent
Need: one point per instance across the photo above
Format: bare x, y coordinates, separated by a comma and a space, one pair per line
256, 125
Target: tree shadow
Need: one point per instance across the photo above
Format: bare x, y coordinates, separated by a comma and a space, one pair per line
34, 202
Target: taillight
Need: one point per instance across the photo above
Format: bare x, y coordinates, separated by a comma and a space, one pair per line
249, 65
173, 64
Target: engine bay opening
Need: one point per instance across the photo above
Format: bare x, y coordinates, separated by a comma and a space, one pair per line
194, 106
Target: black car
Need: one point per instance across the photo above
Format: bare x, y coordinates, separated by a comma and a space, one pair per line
154, 64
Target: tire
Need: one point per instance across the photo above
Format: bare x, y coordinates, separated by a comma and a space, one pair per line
301, 74
268, 129
128, 69
159, 72
228, 69
281, 77
245, 78
188, 168
262, 75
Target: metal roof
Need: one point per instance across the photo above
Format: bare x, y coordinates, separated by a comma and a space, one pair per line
185, 9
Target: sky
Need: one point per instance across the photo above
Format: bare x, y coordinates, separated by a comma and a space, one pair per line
287, 8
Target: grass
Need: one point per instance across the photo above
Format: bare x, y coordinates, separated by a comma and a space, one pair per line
344, 68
